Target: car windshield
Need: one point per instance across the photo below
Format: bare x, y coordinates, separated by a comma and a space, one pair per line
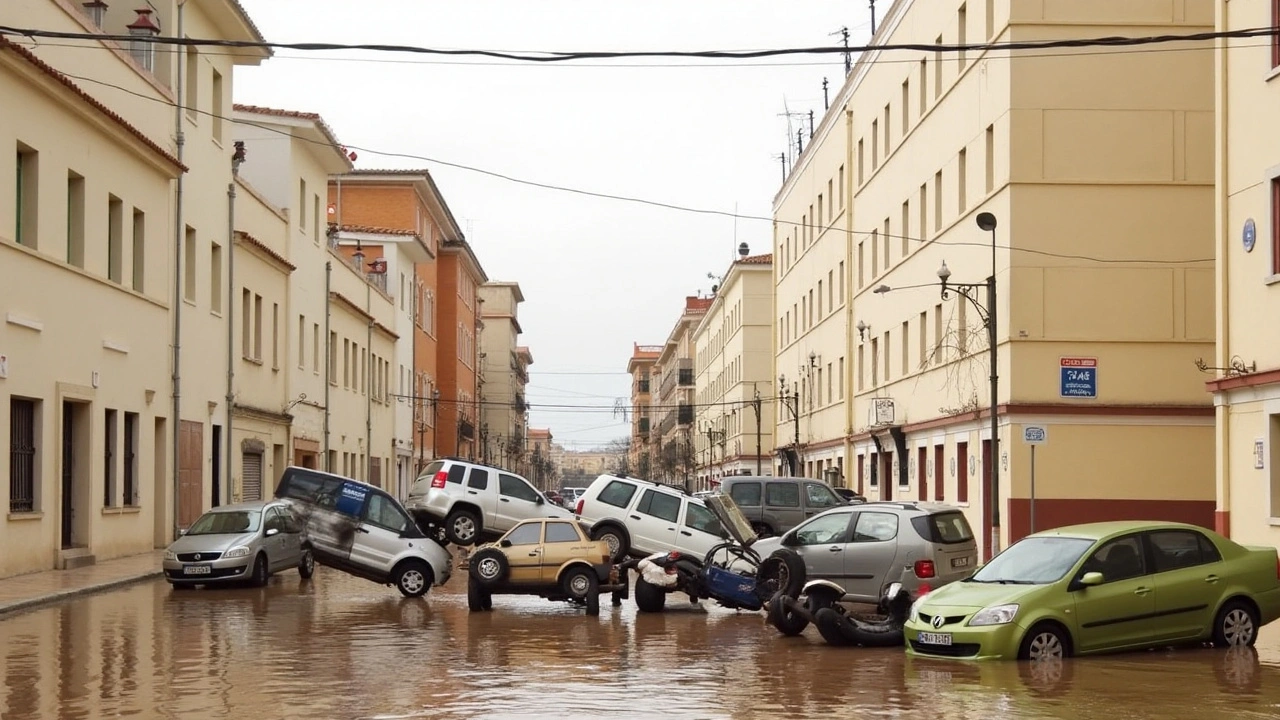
1034, 561
226, 523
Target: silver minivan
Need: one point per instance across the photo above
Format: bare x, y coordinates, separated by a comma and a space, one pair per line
774, 505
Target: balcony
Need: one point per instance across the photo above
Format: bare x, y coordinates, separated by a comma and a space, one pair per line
677, 416
681, 375
642, 426
642, 387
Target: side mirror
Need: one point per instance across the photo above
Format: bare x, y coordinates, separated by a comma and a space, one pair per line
540, 500
504, 543
1091, 578
272, 531
789, 540
182, 531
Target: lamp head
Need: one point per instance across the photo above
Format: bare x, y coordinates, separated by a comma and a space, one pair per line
882, 289
862, 326
944, 272
986, 221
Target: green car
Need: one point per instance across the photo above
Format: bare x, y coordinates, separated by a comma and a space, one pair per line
1101, 587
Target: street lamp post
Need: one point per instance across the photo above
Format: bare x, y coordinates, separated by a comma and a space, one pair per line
792, 403
435, 424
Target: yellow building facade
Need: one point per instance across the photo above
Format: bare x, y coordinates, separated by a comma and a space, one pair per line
671, 400
640, 368
1246, 366
1098, 174
733, 414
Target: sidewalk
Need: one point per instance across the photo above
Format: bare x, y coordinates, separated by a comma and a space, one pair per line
23, 592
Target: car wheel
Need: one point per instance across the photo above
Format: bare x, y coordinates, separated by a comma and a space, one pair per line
649, 597
1235, 626
787, 621
307, 564
489, 567
260, 572
478, 598
782, 572
580, 583
614, 538
413, 578
462, 527
1045, 641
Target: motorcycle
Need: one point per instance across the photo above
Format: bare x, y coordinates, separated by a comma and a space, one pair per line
735, 577
841, 627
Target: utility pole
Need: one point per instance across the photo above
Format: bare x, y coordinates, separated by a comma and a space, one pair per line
799, 143
755, 404
782, 158
810, 124
795, 415
848, 57
826, 104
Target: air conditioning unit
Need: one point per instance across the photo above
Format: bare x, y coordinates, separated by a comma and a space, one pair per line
881, 412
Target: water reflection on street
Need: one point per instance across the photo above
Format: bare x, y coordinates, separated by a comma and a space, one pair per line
343, 648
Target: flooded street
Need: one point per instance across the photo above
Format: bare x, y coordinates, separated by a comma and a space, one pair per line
344, 648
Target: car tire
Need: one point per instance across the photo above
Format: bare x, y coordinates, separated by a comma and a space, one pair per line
412, 578
1045, 641
489, 567
649, 597
307, 564
784, 569
829, 622
478, 598
1236, 625
819, 598
785, 620
580, 584
462, 528
260, 572
615, 538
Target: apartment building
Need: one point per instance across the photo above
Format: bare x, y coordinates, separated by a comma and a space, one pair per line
1244, 372
672, 439
733, 350
96, 197
459, 351
1095, 176
640, 368
506, 368
538, 467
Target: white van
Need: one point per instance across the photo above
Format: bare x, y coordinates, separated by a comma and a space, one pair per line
639, 517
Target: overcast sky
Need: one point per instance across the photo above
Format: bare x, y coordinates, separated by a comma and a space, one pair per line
597, 274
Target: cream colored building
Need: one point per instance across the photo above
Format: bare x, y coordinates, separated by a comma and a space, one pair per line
95, 201
1245, 379
578, 468
733, 347
505, 367
1099, 175
640, 367
671, 435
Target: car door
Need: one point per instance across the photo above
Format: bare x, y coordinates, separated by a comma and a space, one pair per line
1188, 582
478, 491
517, 500
524, 554
819, 498
1118, 612
378, 540
871, 554
653, 521
561, 542
782, 510
822, 543
699, 530
275, 540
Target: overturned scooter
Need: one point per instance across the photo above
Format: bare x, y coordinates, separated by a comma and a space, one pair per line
839, 626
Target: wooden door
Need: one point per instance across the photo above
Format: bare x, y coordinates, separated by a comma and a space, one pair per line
922, 473
190, 472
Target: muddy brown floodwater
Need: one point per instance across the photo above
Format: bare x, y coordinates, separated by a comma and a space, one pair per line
341, 648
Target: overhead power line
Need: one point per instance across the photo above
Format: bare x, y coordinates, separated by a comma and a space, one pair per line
550, 57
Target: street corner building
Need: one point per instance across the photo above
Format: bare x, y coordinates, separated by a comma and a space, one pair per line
1065, 199
1244, 372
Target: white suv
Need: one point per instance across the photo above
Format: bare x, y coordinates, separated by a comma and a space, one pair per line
473, 501
641, 517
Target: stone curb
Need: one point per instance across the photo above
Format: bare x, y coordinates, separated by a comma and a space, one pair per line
19, 606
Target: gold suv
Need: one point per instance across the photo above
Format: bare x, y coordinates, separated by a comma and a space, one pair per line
551, 558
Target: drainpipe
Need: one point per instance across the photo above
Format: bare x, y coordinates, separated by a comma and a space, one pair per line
850, 464
178, 236
328, 355
1222, 415
236, 159
368, 382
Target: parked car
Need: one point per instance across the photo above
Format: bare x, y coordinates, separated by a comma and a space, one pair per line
361, 530
553, 559
774, 505
641, 517
855, 552
472, 501
1102, 587
571, 495
247, 541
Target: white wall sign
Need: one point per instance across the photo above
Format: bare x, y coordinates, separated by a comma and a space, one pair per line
1258, 457
4, 366
1035, 434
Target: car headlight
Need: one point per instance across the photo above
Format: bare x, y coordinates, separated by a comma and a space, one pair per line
170, 555
995, 615
915, 608
235, 552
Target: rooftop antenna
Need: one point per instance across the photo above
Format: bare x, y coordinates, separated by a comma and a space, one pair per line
848, 58
786, 112
873, 17
782, 158
810, 124
826, 104
799, 143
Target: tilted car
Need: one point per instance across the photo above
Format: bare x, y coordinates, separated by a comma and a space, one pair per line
361, 530
1102, 587
640, 517
553, 559
470, 501
247, 541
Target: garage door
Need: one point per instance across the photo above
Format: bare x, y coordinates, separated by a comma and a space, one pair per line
251, 485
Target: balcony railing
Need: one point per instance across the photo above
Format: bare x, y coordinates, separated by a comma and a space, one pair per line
682, 414
642, 425
685, 377
642, 387
681, 374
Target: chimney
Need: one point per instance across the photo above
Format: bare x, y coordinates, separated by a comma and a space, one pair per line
143, 27
96, 10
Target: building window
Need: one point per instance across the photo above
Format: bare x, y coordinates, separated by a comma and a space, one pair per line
115, 239
1273, 462
861, 163
875, 144
315, 348
906, 106
257, 328
937, 333
963, 180
841, 186
990, 150
1275, 39
962, 19
906, 348
991, 18
130, 467
75, 219
333, 358
246, 324
24, 436
906, 228
315, 219
924, 211
875, 362
189, 271
275, 336
27, 197
840, 393
302, 204
139, 249
841, 295
924, 339
215, 278
215, 87
109, 460
830, 382
937, 70
302, 338
1275, 223
924, 87
861, 262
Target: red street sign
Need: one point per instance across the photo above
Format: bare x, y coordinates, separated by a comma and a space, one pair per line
1084, 362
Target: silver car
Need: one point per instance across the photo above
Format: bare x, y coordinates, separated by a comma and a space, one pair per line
235, 543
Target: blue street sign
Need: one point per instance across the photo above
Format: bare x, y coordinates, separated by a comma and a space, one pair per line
1078, 377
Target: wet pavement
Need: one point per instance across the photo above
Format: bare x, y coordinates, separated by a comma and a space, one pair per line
344, 648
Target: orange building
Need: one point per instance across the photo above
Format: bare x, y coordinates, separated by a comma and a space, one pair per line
458, 348
408, 200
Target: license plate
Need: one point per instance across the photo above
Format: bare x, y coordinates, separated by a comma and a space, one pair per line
959, 562
195, 569
935, 638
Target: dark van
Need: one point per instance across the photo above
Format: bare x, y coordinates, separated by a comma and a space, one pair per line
774, 505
